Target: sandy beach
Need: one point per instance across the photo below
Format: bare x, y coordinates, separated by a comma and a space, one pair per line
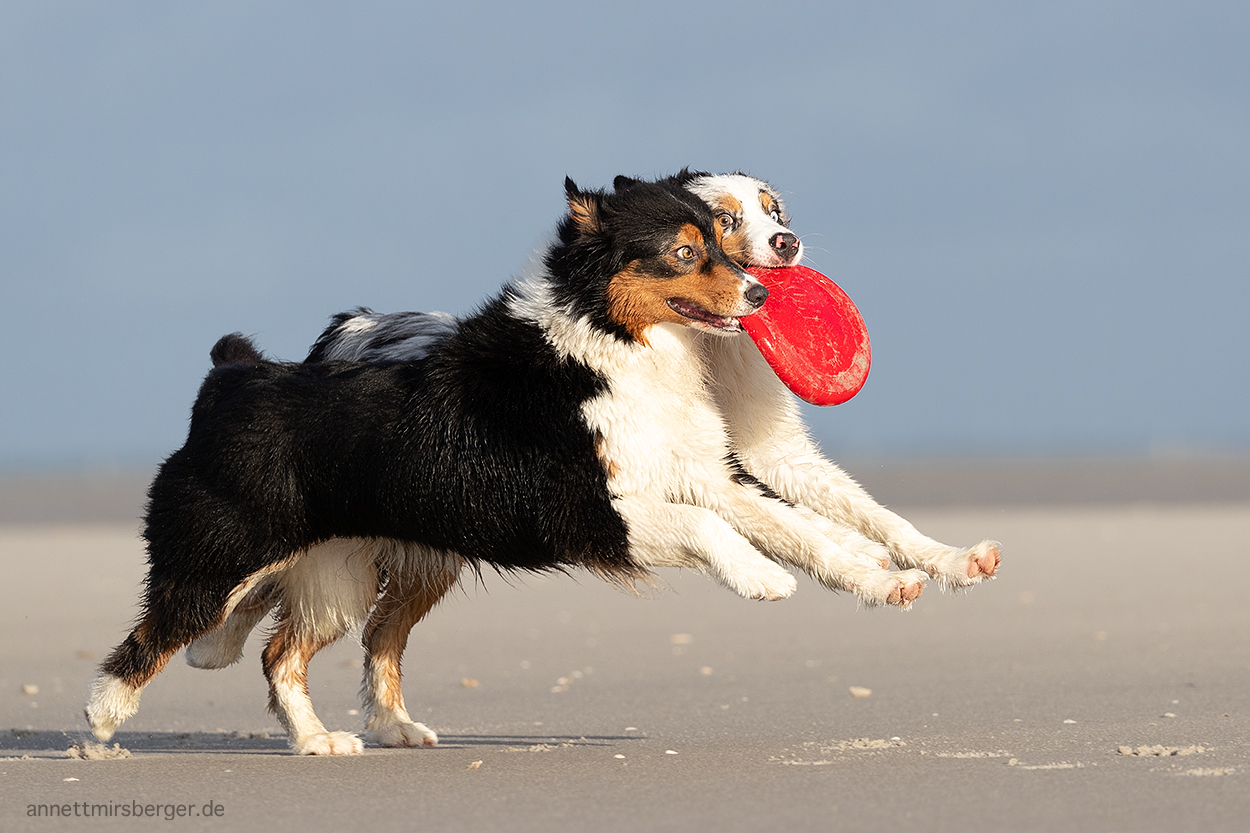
1101, 683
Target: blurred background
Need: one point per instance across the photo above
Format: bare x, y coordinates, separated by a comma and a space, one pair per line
1042, 211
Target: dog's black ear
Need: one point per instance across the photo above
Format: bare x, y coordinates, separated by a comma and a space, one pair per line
234, 348
624, 183
583, 208
683, 176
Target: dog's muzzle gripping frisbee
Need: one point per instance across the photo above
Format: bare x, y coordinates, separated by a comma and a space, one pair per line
811, 334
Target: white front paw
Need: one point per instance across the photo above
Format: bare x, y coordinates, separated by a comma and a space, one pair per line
964, 568
886, 588
765, 581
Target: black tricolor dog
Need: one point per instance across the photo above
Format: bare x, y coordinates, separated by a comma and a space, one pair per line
527, 441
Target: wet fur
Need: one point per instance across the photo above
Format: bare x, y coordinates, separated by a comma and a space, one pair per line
605, 431
351, 492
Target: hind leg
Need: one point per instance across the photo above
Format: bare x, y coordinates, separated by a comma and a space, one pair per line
224, 646
412, 590
285, 661
327, 591
123, 676
177, 609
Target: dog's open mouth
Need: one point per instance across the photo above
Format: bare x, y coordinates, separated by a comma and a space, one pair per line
697, 313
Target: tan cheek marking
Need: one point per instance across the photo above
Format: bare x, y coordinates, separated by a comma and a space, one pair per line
637, 303
715, 288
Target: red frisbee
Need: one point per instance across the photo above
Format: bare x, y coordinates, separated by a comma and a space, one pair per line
811, 334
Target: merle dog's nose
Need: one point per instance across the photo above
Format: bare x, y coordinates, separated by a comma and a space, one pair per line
785, 244
757, 295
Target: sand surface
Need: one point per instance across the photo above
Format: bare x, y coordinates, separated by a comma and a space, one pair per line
1101, 683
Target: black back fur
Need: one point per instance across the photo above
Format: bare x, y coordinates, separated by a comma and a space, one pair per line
479, 448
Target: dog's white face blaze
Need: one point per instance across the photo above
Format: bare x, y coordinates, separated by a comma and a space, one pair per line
759, 216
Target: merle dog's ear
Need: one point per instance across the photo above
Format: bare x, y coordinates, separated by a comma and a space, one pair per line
624, 183
583, 208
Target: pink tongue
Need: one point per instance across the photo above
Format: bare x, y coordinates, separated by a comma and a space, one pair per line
811, 334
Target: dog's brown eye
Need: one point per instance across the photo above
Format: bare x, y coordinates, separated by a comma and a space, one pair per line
725, 220
685, 253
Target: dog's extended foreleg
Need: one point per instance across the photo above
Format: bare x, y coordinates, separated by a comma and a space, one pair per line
773, 445
786, 534
679, 535
809, 479
416, 582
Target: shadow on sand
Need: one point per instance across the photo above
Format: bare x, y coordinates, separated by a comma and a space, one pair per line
50, 743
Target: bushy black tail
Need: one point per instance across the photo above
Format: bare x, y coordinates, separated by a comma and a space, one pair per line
235, 348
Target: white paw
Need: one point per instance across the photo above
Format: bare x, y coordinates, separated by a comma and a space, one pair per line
328, 743
401, 733
112, 701
765, 581
886, 588
964, 568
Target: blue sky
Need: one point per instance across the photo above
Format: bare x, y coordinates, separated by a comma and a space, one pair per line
1043, 212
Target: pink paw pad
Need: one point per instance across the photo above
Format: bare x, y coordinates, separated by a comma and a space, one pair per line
906, 594
985, 564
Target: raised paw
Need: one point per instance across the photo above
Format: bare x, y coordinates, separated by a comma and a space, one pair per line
401, 733
112, 702
964, 568
328, 743
983, 560
766, 582
885, 588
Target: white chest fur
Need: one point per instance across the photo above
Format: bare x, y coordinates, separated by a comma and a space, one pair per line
658, 429
660, 432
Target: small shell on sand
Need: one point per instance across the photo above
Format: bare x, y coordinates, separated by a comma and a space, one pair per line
860, 691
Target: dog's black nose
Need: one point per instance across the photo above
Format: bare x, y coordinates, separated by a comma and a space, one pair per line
757, 295
785, 244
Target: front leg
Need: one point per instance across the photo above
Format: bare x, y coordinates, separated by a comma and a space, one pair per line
809, 479
680, 535
787, 534
772, 443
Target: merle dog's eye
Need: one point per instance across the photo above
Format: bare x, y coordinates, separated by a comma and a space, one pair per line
775, 216
726, 220
686, 253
